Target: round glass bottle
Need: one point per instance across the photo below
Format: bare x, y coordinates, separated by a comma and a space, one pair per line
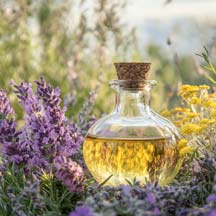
132, 142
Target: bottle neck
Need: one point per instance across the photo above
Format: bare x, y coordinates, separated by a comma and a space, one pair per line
133, 103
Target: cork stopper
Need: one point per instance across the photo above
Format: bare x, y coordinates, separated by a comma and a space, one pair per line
134, 73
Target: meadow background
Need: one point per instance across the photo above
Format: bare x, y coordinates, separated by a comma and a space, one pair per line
73, 44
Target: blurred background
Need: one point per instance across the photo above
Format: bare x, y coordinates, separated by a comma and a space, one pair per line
73, 44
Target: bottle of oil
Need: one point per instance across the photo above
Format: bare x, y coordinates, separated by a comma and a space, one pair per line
132, 142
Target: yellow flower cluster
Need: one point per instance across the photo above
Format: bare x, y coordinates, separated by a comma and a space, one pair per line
207, 121
209, 103
199, 112
183, 147
196, 119
213, 113
190, 128
194, 95
188, 91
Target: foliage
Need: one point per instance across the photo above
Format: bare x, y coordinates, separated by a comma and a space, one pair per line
208, 66
33, 194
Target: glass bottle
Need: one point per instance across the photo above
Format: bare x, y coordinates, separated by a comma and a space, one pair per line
132, 142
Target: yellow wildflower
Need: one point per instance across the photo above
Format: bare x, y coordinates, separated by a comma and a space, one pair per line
179, 116
209, 103
187, 91
213, 114
213, 104
204, 87
195, 100
212, 121
182, 143
177, 110
186, 110
204, 126
188, 95
207, 121
192, 115
186, 150
204, 121
206, 103
190, 128
189, 88
185, 120
178, 123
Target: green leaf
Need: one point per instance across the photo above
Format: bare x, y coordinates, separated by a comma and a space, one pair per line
207, 52
129, 182
210, 79
105, 181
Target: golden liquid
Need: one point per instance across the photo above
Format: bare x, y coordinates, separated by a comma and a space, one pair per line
147, 160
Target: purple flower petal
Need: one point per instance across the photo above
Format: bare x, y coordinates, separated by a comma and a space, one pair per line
82, 211
150, 198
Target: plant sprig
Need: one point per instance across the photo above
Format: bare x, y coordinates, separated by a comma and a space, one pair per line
208, 66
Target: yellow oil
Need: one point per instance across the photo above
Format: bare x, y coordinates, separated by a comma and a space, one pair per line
146, 160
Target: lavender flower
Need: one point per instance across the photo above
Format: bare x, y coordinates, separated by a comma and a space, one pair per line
46, 136
5, 108
150, 198
8, 133
126, 200
85, 121
47, 133
211, 198
31, 191
18, 195
31, 104
65, 134
82, 211
69, 172
212, 212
